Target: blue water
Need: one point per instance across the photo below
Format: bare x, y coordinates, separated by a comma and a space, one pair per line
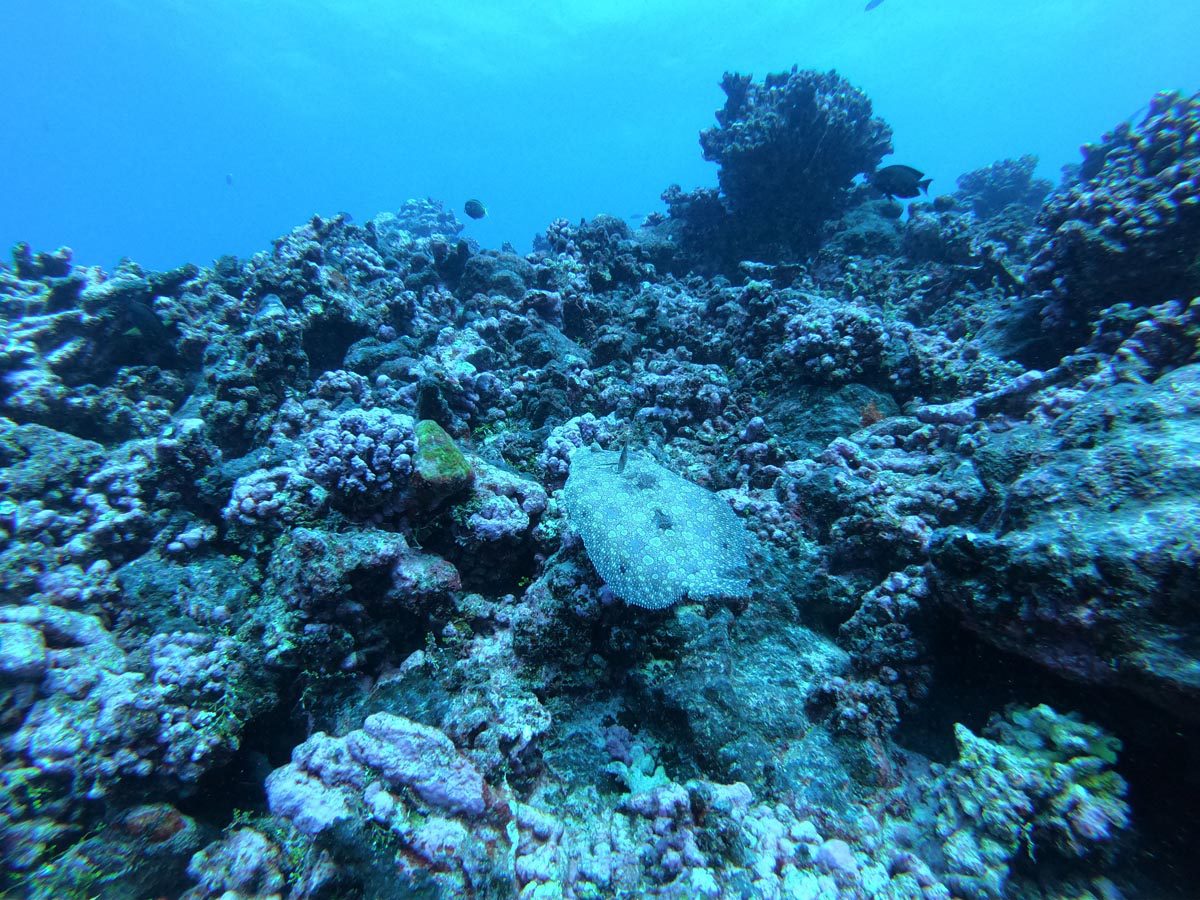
175, 131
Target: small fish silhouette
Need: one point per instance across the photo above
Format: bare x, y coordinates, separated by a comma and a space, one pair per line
900, 181
146, 321
872, 5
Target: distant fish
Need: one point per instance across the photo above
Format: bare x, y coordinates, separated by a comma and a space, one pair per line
900, 181
475, 209
229, 179
872, 5
147, 322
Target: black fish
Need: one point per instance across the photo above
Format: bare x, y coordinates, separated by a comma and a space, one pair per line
146, 321
900, 181
872, 5
475, 209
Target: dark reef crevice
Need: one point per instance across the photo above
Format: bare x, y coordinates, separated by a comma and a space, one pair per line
1160, 756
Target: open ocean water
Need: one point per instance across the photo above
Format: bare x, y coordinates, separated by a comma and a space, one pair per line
577, 450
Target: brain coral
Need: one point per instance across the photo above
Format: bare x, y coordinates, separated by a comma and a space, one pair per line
654, 537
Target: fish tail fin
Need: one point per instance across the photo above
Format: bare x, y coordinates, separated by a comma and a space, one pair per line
924, 185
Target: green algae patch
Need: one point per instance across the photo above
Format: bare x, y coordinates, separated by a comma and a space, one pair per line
439, 469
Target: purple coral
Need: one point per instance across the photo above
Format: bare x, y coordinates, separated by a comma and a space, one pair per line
407, 754
279, 495
329, 776
364, 457
245, 863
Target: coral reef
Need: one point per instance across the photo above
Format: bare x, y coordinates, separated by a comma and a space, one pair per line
1125, 227
1005, 184
1036, 782
788, 149
736, 555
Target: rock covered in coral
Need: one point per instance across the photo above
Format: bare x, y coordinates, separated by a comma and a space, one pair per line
1004, 184
365, 457
280, 494
100, 719
1126, 226
403, 753
1035, 783
245, 864
1084, 534
788, 149
793, 143
407, 779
